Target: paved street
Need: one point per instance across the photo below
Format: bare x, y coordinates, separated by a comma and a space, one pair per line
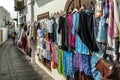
14, 65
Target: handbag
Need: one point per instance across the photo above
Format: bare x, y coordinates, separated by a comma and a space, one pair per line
105, 67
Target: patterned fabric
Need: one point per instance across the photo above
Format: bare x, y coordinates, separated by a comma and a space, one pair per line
48, 55
113, 22
96, 25
80, 46
72, 37
78, 64
55, 52
43, 31
68, 64
75, 22
86, 65
93, 61
48, 46
102, 31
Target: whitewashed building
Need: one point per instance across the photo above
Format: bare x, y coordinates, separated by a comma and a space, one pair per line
4, 24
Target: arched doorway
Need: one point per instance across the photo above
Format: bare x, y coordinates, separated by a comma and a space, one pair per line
70, 4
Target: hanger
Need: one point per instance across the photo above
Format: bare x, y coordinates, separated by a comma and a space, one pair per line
61, 13
82, 8
75, 9
64, 13
58, 14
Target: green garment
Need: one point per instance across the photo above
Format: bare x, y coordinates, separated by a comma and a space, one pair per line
60, 62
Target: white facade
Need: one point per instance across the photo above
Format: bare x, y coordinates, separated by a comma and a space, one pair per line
41, 6
4, 18
4, 34
51, 6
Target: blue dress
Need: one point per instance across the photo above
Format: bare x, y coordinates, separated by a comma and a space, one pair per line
80, 46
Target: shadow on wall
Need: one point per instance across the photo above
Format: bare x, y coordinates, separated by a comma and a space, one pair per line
42, 2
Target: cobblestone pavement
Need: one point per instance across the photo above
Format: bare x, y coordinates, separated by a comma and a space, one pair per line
14, 65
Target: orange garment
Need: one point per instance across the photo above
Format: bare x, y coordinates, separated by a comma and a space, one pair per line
54, 64
47, 37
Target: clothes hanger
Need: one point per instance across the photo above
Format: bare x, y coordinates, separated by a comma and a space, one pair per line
58, 14
64, 13
82, 8
70, 11
61, 13
75, 9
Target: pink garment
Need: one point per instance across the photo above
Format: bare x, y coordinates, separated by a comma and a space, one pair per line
112, 27
111, 19
113, 31
72, 36
116, 19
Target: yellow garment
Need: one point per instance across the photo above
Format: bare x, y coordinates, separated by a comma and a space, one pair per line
33, 31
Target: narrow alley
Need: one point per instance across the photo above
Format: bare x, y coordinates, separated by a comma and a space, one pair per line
14, 65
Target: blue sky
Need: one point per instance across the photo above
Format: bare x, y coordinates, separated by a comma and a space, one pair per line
9, 5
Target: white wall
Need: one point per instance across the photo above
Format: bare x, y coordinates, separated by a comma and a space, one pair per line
4, 13
42, 6
28, 15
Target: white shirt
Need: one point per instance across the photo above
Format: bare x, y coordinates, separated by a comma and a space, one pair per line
50, 25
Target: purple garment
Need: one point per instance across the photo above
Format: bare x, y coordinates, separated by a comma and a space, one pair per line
78, 64
56, 55
72, 36
86, 64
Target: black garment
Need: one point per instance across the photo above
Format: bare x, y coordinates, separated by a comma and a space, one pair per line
64, 30
86, 31
67, 32
117, 48
50, 36
54, 30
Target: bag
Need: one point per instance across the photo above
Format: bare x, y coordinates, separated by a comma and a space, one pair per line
105, 67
